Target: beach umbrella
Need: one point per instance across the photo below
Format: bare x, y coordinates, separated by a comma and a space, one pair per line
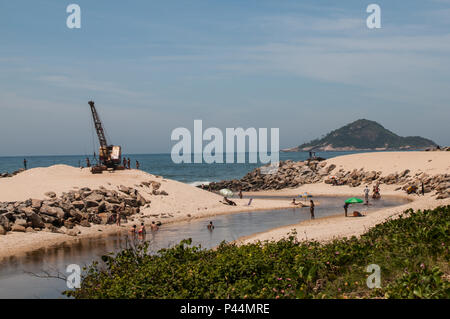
226, 192
354, 200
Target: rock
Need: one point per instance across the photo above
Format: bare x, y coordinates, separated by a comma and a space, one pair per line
68, 224
18, 228
141, 200
130, 201
50, 194
36, 203
21, 222
95, 197
2, 230
57, 212
124, 189
4, 222
36, 220
91, 203
78, 204
85, 223
72, 232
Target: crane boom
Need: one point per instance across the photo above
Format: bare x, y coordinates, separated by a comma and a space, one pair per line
109, 155
98, 126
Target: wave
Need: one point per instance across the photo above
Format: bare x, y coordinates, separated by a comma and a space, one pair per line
198, 183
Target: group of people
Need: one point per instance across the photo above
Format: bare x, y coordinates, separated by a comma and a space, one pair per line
311, 206
127, 163
375, 193
142, 230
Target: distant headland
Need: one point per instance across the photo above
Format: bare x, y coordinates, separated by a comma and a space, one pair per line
364, 135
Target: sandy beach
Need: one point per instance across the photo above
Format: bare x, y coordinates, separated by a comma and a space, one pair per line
334, 227
186, 202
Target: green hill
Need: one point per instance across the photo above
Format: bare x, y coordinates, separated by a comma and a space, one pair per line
364, 135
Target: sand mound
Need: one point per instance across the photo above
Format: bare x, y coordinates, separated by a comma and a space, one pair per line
390, 162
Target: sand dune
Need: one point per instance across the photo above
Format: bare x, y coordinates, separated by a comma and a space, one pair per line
391, 162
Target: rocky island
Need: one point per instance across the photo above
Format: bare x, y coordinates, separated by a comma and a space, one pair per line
364, 135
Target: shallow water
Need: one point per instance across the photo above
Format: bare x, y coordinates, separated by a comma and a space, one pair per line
16, 282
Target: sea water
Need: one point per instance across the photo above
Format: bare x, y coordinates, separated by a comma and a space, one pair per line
161, 164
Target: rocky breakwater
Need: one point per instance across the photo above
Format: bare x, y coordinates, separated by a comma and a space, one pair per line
294, 174
6, 174
76, 208
288, 174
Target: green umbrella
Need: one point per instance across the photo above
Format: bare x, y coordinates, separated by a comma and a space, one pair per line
354, 200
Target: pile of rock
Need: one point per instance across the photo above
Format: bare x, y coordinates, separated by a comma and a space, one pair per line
438, 148
12, 174
294, 174
288, 174
81, 207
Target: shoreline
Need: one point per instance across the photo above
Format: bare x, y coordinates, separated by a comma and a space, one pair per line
51, 240
185, 202
338, 226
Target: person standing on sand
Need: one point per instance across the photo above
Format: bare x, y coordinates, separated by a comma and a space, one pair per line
88, 163
311, 208
124, 162
129, 163
366, 195
240, 193
25, 163
346, 208
137, 164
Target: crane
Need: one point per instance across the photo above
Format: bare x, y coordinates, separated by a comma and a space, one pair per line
109, 155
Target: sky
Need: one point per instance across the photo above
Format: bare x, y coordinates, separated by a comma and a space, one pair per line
305, 67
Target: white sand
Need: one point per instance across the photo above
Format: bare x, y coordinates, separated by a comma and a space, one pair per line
390, 162
337, 227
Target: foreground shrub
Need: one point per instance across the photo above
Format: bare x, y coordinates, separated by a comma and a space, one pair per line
411, 250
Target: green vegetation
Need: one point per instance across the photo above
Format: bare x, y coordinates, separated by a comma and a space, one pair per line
412, 251
365, 134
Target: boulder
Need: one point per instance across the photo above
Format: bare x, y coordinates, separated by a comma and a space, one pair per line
36, 220
91, 203
18, 228
50, 194
21, 222
85, 223
124, 189
95, 197
78, 204
2, 230
36, 203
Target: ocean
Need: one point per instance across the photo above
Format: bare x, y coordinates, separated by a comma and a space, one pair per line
162, 164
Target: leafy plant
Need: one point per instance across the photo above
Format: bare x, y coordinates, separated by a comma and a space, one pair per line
412, 251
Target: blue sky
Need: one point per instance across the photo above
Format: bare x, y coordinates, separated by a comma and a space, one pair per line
306, 67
